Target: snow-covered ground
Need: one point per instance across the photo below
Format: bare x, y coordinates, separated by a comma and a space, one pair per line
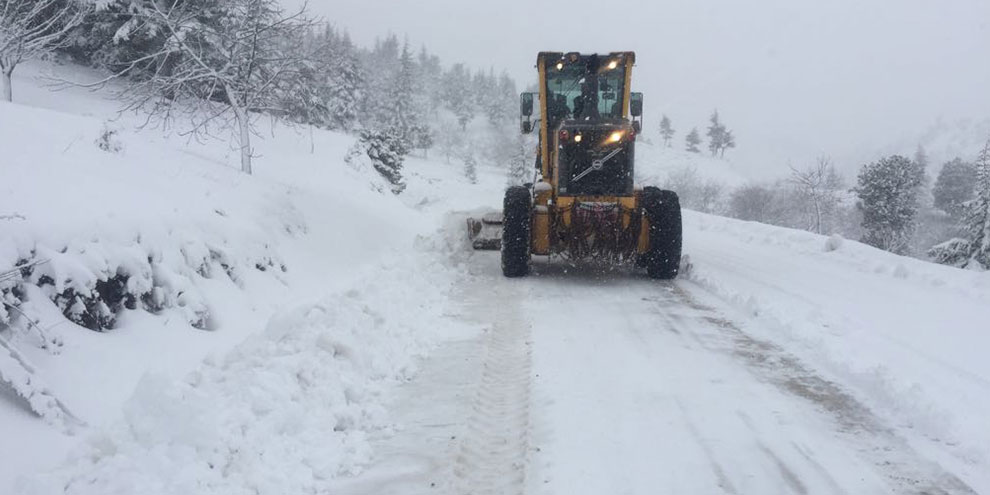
389, 358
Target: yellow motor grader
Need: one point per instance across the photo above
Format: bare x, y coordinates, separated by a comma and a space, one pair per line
584, 204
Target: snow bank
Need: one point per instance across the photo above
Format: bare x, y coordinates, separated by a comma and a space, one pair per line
909, 338
284, 412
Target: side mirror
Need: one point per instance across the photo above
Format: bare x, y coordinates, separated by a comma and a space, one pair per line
527, 126
636, 104
526, 104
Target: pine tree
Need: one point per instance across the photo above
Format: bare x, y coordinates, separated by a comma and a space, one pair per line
385, 149
488, 97
521, 161
719, 138
693, 140
470, 167
344, 85
977, 220
921, 157
666, 131
508, 97
954, 186
457, 94
431, 79
973, 249
405, 116
888, 199
728, 143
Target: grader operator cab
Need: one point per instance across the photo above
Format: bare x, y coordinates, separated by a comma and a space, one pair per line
584, 204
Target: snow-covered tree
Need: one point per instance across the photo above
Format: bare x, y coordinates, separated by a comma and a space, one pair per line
693, 140
344, 84
921, 156
449, 138
818, 189
508, 98
888, 199
719, 138
754, 202
431, 81
729, 142
457, 94
954, 186
666, 131
521, 161
405, 115
386, 150
30, 29
470, 167
240, 62
973, 250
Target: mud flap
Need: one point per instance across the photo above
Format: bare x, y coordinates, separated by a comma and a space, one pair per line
486, 233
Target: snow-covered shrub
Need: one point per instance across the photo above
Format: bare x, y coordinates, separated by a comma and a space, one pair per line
696, 193
834, 242
92, 283
385, 150
108, 140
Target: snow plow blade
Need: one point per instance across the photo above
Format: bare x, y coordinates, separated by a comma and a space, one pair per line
486, 234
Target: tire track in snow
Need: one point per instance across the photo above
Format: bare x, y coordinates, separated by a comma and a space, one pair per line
493, 452
904, 468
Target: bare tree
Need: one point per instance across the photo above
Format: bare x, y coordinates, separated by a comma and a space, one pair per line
754, 202
219, 73
30, 29
818, 188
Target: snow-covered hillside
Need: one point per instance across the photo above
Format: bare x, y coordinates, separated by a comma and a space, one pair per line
352, 343
216, 249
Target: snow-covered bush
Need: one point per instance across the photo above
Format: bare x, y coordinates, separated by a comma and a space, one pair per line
834, 242
696, 193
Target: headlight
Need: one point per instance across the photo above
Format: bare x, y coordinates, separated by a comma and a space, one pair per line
577, 138
616, 137
613, 64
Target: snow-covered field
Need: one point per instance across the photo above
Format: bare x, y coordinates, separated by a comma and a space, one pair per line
388, 358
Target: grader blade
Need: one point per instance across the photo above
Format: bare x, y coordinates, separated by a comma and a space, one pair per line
486, 233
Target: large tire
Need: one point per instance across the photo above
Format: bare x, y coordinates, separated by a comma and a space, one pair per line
663, 211
516, 231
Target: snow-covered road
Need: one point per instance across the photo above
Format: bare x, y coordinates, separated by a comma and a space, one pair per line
583, 382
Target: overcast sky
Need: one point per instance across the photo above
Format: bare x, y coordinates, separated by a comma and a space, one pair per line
793, 78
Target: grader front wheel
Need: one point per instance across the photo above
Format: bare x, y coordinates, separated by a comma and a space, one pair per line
517, 218
663, 211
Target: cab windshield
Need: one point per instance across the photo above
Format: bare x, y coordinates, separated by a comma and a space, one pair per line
584, 90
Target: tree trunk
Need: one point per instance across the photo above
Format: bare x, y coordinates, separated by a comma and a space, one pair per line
8, 92
244, 126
